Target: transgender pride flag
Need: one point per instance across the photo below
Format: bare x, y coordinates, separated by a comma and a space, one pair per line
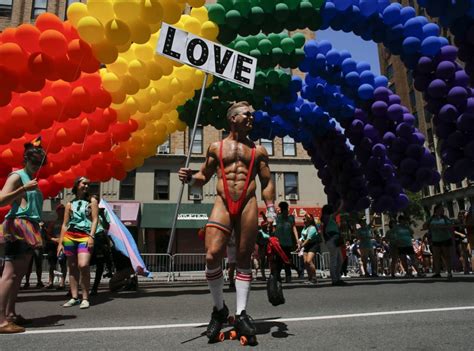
124, 241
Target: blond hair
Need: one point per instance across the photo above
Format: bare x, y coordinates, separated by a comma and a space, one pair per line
235, 106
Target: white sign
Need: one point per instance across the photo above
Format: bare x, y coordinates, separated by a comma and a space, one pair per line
207, 55
192, 217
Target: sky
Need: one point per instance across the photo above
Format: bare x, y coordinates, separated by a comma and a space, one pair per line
360, 49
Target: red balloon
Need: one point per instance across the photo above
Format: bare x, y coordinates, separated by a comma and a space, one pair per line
45, 187
51, 107
47, 21
90, 64
5, 97
68, 70
8, 35
82, 98
78, 50
13, 57
41, 64
61, 90
8, 79
102, 98
110, 115
27, 36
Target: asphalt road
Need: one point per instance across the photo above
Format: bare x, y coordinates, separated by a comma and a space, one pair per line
381, 314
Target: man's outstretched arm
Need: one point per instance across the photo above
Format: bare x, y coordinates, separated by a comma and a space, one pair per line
208, 168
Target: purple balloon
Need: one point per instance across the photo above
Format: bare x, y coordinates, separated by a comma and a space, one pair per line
375, 191
427, 160
457, 95
451, 176
437, 88
470, 105
422, 82
445, 70
417, 138
469, 150
409, 165
395, 112
456, 139
379, 150
448, 113
388, 138
451, 155
404, 130
386, 171
463, 167
399, 145
425, 65
357, 126
434, 179
409, 118
393, 189
422, 174
415, 151
444, 129
394, 99
382, 94
461, 78
363, 203
406, 180
371, 132
465, 122
449, 53
379, 108
402, 201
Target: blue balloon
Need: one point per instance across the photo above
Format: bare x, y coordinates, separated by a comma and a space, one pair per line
363, 66
345, 54
368, 7
349, 65
413, 28
367, 77
342, 5
411, 45
391, 14
430, 30
333, 57
366, 91
380, 81
324, 46
311, 48
406, 13
352, 79
382, 4
430, 46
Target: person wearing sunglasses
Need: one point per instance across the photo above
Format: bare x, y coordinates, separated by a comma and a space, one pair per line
21, 232
237, 161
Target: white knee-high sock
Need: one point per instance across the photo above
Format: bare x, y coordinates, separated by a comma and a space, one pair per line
242, 288
215, 280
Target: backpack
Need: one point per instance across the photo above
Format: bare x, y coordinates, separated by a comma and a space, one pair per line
275, 291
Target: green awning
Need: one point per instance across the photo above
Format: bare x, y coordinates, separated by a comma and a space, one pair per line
190, 216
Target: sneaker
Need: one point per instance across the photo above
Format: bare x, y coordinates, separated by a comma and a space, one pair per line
11, 328
437, 275
310, 282
339, 283
39, 285
25, 286
72, 302
84, 304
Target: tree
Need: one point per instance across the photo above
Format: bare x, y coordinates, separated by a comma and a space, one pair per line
415, 210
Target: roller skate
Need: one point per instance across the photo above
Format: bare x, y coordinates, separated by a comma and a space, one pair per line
244, 329
218, 319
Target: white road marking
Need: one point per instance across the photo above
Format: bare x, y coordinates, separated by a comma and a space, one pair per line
300, 319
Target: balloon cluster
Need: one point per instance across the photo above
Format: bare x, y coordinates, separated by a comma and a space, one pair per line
451, 100
246, 17
274, 49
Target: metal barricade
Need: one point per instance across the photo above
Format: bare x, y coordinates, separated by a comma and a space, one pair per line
188, 266
321, 262
159, 265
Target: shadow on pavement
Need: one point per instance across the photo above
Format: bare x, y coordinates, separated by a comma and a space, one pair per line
62, 298
49, 321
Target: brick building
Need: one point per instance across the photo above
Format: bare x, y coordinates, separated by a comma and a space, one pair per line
455, 197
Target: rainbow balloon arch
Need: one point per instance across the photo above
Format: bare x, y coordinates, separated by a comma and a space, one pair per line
102, 100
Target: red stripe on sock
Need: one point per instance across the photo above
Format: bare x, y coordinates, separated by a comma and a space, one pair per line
214, 276
244, 277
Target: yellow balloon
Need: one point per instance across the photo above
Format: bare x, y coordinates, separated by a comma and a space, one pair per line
125, 47
151, 11
192, 25
196, 3
143, 82
165, 64
122, 114
101, 9
154, 70
131, 105
140, 120
90, 29
111, 82
144, 105
118, 97
75, 12
209, 30
197, 79
140, 32
137, 69
144, 52
171, 11
200, 13
119, 67
171, 127
105, 52
117, 32
127, 10
131, 85
175, 86
165, 95
180, 125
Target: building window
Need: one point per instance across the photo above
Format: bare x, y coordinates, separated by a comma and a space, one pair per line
162, 185
291, 186
38, 7
289, 146
6, 7
197, 145
268, 145
389, 72
127, 186
393, 88
164, 149
94, 188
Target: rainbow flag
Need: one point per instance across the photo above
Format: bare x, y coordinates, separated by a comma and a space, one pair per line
123, 240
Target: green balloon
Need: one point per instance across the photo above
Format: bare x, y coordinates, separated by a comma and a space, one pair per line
275, 39
253, 42
228, 4
299, 39
292, 4
273, 77
268, 5
265, 61
285, 61
284, 79
257, 15
315, 21
260, 36
317, 4
277, 54
305, 9
296, 58
287, 45
243, 6
233, 19
282, 12
226, 35
242, 46
255, 53
265, 46
216, 13
260, 78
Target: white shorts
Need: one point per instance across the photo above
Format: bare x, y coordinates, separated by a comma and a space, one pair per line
231, 254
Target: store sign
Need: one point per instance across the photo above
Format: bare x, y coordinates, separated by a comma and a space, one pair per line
192, 217
207, 55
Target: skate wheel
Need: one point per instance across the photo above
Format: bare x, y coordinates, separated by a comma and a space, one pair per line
233, 335
244, 341
231, 320
221, 336
252, 340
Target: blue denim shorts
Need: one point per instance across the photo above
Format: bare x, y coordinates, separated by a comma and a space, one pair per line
16, 249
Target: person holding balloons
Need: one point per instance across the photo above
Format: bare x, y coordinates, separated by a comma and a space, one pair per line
21, 232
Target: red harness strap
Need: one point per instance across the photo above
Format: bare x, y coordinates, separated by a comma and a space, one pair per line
235, 207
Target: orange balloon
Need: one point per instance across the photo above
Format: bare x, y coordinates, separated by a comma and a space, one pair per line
27, 36
53, 43
13, 57
78, 50
8, 79
47, 21
83, 98
8, 35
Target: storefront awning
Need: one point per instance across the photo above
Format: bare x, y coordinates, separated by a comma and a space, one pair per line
127, 211
160, 216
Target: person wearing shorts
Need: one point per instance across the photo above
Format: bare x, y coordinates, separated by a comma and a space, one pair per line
365, 235
441, 229
21, 233
405, 247
310, 241
77, 240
